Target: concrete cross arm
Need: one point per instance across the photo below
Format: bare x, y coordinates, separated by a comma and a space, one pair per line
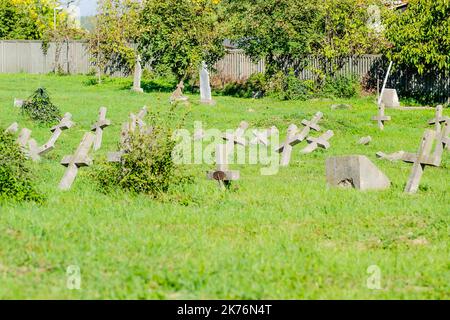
429, 160
381, 118
65, 123
101, 124
311, 125
80, 161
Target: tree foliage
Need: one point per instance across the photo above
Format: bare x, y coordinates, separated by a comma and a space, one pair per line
117, 27
348, 28
26, 19
420, 36
179, 34
282, 32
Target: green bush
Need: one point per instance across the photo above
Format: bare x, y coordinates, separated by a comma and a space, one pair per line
341, 87
255, 86
40, 108
16, 179
146, 167
290, 87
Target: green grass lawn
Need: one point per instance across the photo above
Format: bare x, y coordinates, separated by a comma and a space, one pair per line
286, 236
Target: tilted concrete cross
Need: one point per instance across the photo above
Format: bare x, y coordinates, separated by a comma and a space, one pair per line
262, 137
23, 138
294, 137
420, 160
238, 136
381, 117
64, 124
322, 142
79, 159
99, 126
222, 174
438, 119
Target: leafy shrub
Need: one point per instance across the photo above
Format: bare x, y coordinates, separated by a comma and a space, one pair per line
16, 180
147, 165
255, 86
40, 108
342, 86
290, 87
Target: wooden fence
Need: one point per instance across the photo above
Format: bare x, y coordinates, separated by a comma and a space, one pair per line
27, 56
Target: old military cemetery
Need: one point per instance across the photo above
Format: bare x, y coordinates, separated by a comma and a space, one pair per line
213, 149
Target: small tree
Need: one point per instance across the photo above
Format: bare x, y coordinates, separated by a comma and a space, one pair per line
281, 32
348, 28
420, 36
111, 42
179, 34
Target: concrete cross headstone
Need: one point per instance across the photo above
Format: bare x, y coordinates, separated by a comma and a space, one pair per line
137, 76
238, 136
438, 119
79, 159
222, 174
294, 138
205, 86
13, 128
420, 160
286, 148
322, 142
64, 124
262, 137
99, 126
33, 150
381, 117
443, 139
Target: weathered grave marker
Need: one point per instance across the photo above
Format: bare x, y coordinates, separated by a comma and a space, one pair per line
13, 128
18, 103
421, 159
177, 95
381, 117
438, 119
99, 126
262, 137
442, 140
390, 98
321, 142
356, 172
23, 138
137, 76
64, 124
33, 150
293, 137
365, 140
205, 87
222, 174
238, 136
79, 159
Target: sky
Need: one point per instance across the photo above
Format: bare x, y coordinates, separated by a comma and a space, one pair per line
87, 7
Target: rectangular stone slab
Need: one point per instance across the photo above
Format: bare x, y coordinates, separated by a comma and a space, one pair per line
355, 171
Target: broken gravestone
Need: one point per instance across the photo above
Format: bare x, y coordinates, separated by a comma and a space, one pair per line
77, 160
391, 157
390, 98
13, 128
18, 103
222, 174
365, 140
355, 172
177, 95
